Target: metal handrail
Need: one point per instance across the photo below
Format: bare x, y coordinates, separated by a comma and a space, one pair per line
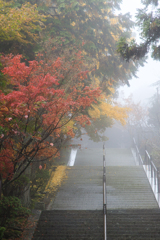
138, 156
104, 195
151, 171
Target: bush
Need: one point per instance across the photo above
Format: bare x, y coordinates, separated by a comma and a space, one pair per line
39, 181
38, 184
2, 230
12, 217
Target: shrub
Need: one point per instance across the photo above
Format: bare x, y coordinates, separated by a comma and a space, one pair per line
12, 217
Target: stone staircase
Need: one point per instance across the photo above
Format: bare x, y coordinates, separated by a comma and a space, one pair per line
70, 225
76, 213
134, 224
128, 224
128, 188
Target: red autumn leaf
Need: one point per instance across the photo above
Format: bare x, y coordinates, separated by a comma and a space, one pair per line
40, 108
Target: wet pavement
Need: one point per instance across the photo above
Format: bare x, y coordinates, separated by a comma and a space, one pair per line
127, 185
88, 225
129, 188
77, 209
81, 191
89, 157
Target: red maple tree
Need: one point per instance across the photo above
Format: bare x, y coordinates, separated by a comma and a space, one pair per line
33, 115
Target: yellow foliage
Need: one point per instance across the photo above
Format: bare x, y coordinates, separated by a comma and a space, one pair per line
82, 3
97, 64
96, 81
94, 112
106, 108
116, 37
112, 90
17, 23
114, 21
73, 24
56, 179
69, 125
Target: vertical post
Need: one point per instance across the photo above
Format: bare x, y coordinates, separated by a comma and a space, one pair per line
152, 169
155, 180
147, 163
104, 195
145, 159
158, 181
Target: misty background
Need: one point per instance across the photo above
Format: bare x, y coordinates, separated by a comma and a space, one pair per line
141, 87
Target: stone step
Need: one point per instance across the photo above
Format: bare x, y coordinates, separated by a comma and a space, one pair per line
114, 157
70, 225
84, 225
119, 157
127, 187
133, 224
82, 190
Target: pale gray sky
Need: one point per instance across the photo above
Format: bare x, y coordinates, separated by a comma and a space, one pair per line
147, 75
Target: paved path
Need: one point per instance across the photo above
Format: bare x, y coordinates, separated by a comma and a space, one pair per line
76, 213
119, 157
114, 157
82, 190
86, 225
128, 188
127, 185
70, 225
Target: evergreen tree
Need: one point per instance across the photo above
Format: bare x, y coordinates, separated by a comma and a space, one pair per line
149, 23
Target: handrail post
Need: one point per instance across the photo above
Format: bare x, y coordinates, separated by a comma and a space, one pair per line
151, 171
104, 195
158, 192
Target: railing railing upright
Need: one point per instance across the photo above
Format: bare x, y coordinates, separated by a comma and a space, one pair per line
104, 195
150, 170
138, 156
